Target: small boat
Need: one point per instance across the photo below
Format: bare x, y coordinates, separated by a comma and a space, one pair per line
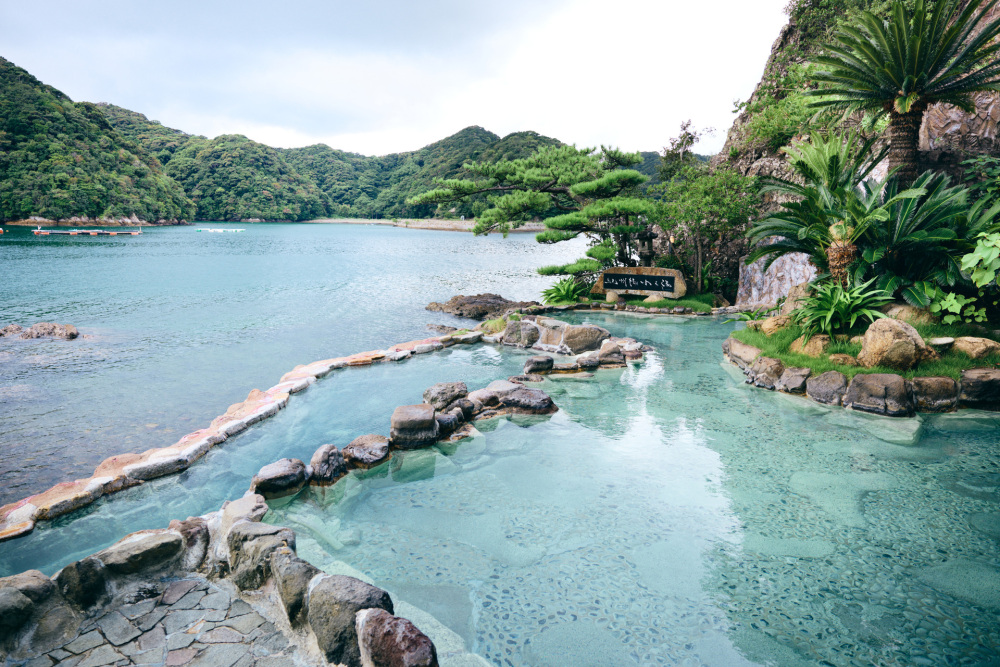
219, 230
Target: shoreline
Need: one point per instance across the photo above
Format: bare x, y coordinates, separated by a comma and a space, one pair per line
433, 224
125, 222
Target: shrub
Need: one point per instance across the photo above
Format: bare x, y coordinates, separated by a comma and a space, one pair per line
567, 290
832, 308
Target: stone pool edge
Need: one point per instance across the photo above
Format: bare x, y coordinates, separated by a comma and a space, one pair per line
884, 394
123, 471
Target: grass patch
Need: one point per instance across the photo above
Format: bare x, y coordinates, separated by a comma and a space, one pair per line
951, 364
702, 303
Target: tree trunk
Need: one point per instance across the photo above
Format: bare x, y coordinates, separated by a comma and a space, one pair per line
697, 261
904, 143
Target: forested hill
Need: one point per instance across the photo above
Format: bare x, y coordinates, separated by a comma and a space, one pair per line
60, 159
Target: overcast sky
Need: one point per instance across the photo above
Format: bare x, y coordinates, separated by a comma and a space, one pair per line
394, 75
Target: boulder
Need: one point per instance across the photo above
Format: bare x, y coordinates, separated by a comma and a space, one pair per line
250, 547
140, 551
443, 393
880, 394
739, 352
765, 372
413, 426
981, 388
328, 465
828, 387
31, 583
528, 401
292, 576
11, 330
774, 324
333, 604
893, 344
479, 306
50, 330
529, 377
447, 423
934, 394
520, 333
814, 347
610, 355
15, 610
977, 348
843, 360
588, 361
466, 406
284, 477
538, 364
793, 380
82, 582
584, 337
366, 451
384, 640
194, 531
795, 298
908, 313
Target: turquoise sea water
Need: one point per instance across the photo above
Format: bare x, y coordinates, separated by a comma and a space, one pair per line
180, 324
668, 514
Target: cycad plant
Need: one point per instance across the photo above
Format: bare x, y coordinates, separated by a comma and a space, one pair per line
901, 66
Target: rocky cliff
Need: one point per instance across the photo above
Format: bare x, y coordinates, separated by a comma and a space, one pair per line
947, 137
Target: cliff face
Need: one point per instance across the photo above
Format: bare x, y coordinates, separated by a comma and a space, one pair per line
947, 137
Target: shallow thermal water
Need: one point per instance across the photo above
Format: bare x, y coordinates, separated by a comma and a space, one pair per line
180, 324
669, 514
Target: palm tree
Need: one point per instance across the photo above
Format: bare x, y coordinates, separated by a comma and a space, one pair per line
901, 66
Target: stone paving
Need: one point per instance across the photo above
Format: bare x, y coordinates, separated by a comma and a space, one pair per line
189, 622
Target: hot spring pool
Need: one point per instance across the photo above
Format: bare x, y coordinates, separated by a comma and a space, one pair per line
667, 514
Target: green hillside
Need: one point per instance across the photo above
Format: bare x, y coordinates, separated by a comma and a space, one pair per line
60, 159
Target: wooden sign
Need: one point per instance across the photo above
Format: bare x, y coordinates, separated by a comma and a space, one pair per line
643, 281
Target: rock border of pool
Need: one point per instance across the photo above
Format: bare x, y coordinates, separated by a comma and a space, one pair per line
113, 604
885, 394
123, 471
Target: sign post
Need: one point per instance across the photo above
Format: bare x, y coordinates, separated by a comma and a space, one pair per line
642, 281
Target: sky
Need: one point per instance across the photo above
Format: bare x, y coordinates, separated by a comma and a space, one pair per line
386, 76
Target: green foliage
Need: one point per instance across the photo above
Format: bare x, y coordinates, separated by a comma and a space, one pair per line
701, 303
491, 327
706, 208
233, 178
915, 58
755, 315
984, 261
982, 174
60, 159
567, 290
951, 364
575, 191
953, 307
832, 308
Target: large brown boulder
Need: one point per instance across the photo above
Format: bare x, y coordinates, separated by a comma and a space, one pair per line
828, 388
479, 306
581, 338
977, 348
333, 604
444, 393
366, 451
143, 550
814, 347
387, 640
292, 576
520, 333
879, 393
908, 313
765, 372
793, 380
934, 394
774, 324
413, 426
981, 388
739, 352
328, 465
893, 344
284, 477
250, 548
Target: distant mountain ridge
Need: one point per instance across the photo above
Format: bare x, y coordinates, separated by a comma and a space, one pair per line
63, 160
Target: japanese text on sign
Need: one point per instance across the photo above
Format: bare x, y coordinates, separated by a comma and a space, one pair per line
629, 281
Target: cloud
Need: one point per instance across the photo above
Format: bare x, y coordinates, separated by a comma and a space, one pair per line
390, 76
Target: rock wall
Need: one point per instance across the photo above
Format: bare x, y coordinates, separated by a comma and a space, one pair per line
763, 288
